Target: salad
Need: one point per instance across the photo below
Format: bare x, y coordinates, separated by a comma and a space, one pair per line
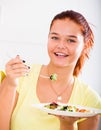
69, 108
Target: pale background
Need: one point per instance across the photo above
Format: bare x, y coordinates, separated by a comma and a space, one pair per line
24, 26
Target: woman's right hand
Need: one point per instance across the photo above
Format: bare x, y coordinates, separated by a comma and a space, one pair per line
15, 68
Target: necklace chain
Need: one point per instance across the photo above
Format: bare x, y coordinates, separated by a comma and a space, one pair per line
59, 95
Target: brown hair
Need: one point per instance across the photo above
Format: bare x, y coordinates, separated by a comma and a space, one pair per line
86, 32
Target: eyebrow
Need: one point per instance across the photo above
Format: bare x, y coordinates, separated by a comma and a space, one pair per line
72, 36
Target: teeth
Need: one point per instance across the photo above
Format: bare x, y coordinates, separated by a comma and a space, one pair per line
60, 54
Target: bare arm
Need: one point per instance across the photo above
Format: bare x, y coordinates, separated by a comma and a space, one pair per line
15, 68
89, 124
67, 123
8, 98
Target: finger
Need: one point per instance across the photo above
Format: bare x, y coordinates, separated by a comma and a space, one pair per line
19, 66
15, 60
17, 70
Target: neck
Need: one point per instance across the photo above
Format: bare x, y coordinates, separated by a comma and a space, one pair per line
64, 83
64, 73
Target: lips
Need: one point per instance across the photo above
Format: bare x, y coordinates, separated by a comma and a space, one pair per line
61, 54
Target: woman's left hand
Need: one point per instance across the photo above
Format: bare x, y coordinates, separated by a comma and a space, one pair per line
67, 122
67, 119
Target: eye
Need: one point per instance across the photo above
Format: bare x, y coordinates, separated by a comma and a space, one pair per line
54, 38
71, 41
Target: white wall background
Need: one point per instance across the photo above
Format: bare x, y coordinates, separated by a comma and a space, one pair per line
24, 28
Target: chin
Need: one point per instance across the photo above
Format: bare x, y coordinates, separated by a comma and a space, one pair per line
60, 65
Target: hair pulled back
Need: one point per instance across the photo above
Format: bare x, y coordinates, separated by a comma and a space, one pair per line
86, 32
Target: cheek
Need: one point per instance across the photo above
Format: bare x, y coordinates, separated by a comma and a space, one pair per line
50, 47
76, 51
79, 51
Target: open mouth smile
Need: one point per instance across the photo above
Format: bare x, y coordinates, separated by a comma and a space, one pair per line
61, 54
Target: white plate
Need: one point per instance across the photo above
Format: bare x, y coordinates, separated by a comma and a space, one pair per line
93, 111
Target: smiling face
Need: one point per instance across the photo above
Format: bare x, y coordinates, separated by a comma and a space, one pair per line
65, 43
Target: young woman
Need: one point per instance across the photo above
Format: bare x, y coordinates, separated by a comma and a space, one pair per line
69, 42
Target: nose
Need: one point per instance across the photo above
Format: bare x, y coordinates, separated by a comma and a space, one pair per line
61, 45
